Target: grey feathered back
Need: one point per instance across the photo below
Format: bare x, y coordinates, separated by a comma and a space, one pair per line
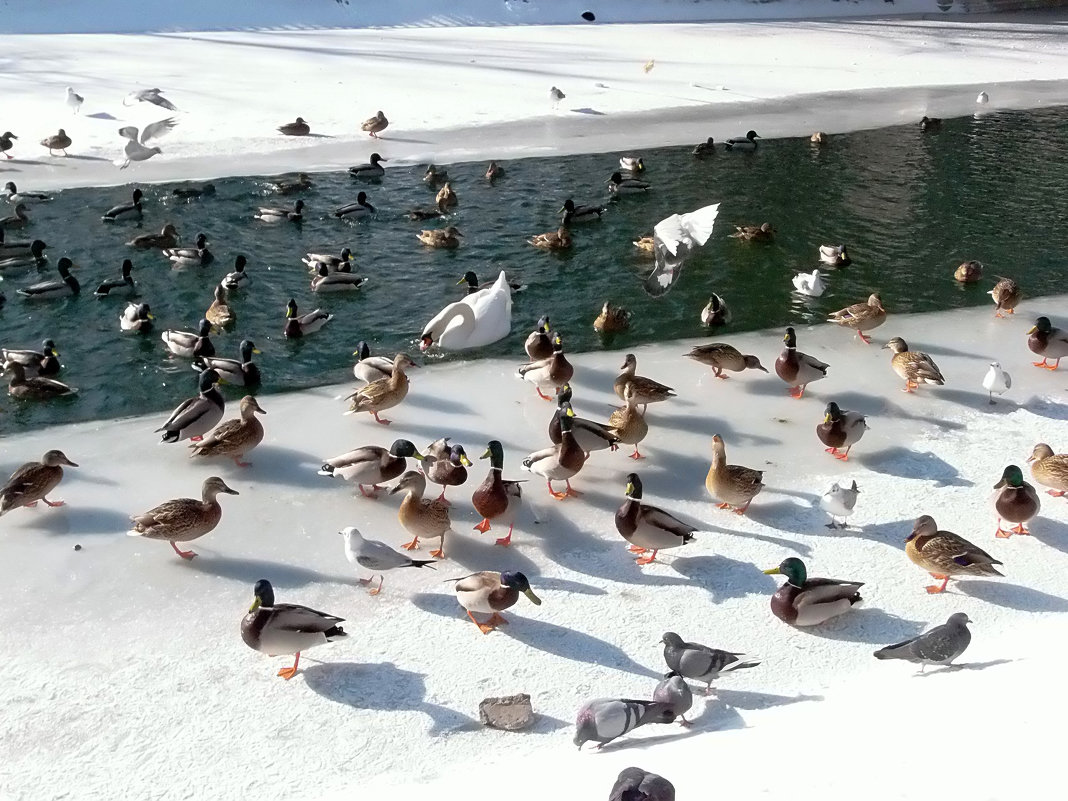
635, 784
939, 646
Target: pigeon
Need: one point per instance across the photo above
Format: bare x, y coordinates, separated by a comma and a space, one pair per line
939, 646
839, 501
152, 96
674, 690
809, 284
555, 95
74, 100
699, 662
604, 719
997, 381
635, 784
376, 556
135, 149
674, 238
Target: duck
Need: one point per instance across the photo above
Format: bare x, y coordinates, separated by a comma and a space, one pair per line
720, 356
798, 369
732, 485
375, 125
421, 517
44, 362
236, 277
840, 429
46, 290
446, 198
646, 245
560, 239
1043, 339
189, 345
342, 261
197, 256
497, 499
385, 393
6, 144
1016, 501
165, 239
196, 192
296, 128
480, 319
818, 138
273, 214
327, 280
195, 417
376, 556
183, 519
370, 368
1049, 469
747, 142
491, 593
551, 373
58, 141
705, 148
235, 438
371, 170
14, 255
240, 372
580, 214
944, 554
560, 462
969, 272
448, 238
1006, 295
435, 175
716, 312
12, 195
274, 628
446, 465
361, 208
302, 325
611, 319
33, 482
435, 213
631, 164
288, 186
131, 209
494, 171
124, 284
538, 344
371, 465
809, 284
916, 367
753, 233
804, 601
930, 124
221, 313
861, 317
34, 387
618, 185
16, 220
646, 389
136, 317
627, 423
589, 435
649, 528
835, 255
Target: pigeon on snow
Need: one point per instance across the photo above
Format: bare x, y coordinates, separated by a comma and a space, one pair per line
939, 646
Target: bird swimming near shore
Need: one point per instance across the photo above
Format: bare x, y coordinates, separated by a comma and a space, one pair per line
66, 286
136, 149
809, 284
747, 142
133, 208
361, 208
12, 194
372, 169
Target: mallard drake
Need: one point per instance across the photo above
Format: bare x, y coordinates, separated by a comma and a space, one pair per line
166, 238
234, 438
915, 366
493, 171
435, 213
631, 164
435, 175
197, 192
1043, 339
420, 516
131, 209
45, 290
373, 169
221, 313
648, 528
236, 277
240, 372
589, 435
124, 284
448, 238
44, 362
361, 208
840, 429
59, 141
753, 233
1015, 501
720, 356
804, 601
273, 214
970, 272
560, 462
296, 128
646, 389
835, 255
809, 284
17, 219
618, 185
861, 317
195, 417
560, 239
197, 256
495, 498
385, 393
304, 324
313, 260
446, 198
580, 214
35, 387
747, 142
1006, 295
189, 345
538, 344
490, 593
798, 369
732, 485
276, 629
370, 368
944, 554
33, 482
15, 255
376, 556
646, 245
611, 319
929, 124
371, 465
136, 317
376, 124
627, 422
327, 280
705, 148
715, 313
818, 138
446, 465
183, 519
6, 144
287, 186
1049, 469
551, 373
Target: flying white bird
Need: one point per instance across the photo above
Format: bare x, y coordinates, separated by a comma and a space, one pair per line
840, 502
997, 381
674, 238
74, 100
136, 150
809, 284
149, 96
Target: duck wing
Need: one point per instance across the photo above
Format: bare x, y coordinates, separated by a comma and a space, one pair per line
293, 617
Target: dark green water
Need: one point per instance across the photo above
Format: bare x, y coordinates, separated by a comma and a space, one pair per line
910, 206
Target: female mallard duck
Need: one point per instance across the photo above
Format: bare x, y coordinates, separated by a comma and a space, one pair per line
648, 528
747, 142
589, 435
1006, 295
560, 239
197, 256
627, 423
286, 186
915, 366
276, 629
970, 272
835, 255
35, 387
804, 601
296, 128
313, 260
646, 389
66, 286
121, 285
166, 238
1049, 469
490, 593
183, 519
59, 141
132, 209
446, 465
560, 462
840, 429
375, 125
420, 516
928, 124
551, 373
753, 233
435, 175
44, 362
944, 554
646, 245
715, 312
446, 198
301, 325
538, 344
720, 356
221, 313
273, 214
371, 170
234, 438
361, 208
1015, 501
705, 148
1043, 339
798, 369
6, 144
494, 171
631, 164
370, 368
33, 482
371, 465
190, 345
580, 214
611, 319
618, 185
495, 498
16, 220
136, 317
385, 393
241, 372
15, 255
448, 238
327, 280
861, 317
195, 417
732, 485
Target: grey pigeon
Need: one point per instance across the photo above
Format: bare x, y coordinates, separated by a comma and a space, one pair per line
604, 719
635, 784
674, 690
699, 662
939, 646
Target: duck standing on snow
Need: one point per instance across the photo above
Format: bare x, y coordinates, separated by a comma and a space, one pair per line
861, 317
996, 380
136, 317
1014, 500
715, 313
371, 170
944, 554
421, 517
34, 387
495, 498
183, 519
371, 465
646, 389
234, 438
58, 141
840, 429
841, 502
446, 465
698, 662
538, 344
551, 373
124, 284
385, 393
1047, 341
376, 556
732, 485
627, 423
6, 143
939, 646
915, 366
33, 482
131, 209
1049, 469
1006, 295
490, 594
618, 185
646, 527
804, 601
590, 436
195, 417
744, 143
296, 128
558, 463
301, 325
835, 255
720, 356
798, 369
375, 125
809, 284
47, 290
602, 720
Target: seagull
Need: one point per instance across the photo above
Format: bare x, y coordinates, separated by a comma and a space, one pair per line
809, 284
136, 150
376, 556
673, 239
982, 99
74, 100
555, 95
839, 502
996, 380
152, 96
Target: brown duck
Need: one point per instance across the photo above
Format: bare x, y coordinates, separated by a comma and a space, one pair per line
1015, 501
495, 498
796, 368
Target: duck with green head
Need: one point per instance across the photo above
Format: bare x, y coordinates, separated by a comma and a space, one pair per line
804, 601
496, 498
1048, 342
648, 527
1016, 501
840, 429
491, 593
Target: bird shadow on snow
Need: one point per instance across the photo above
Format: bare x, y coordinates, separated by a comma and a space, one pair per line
272, 464
1013, 596
901, 462
1051, 533
724, 578
1045, 408
100, 115
872, 626
892, 534
248, 571
81, 520
962, 666
87, 158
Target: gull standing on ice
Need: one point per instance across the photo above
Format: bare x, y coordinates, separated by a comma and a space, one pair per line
74, 100
674, 238
376, 556
136, 150
152, 96
839, 501
939, 646
996, 380
809, 284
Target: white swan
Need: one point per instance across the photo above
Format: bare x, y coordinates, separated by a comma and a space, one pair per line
479, 319
810, 284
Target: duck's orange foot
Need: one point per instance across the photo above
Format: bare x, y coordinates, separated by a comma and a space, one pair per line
740, 510
485, 628
558, 495
934, 589
1019, 529
184, 554
541, 394
1055, 493
197, 438
636, 455
842, 457
381, 420
1039, 364
636, 549
864, 339
723, 506
53, 504
832, 451
373, 494
496, 620
438, 554
30, 505
287, 673
724, 376
239, 463
411, 546
1002, 534
484, 526
796, 392
504, 542
644, 560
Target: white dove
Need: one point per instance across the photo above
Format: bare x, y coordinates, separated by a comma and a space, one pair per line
996, 380
376, 556
149, 96
74, 100
673, 239
809, 284
840, 502
136, 150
